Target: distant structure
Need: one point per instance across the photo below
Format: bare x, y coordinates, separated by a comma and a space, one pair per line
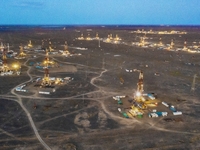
185, 45
88, 37
66, 51
111, 37
50, 47
30, 44
97, 36
47, 60
5, 66
160, 42
2, 47
193, 83
42, 46
172, 44
81, 37
46, 80
142, 42
21, 55
140, 83
99, 43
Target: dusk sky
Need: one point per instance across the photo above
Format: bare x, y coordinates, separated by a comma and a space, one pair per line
102, 12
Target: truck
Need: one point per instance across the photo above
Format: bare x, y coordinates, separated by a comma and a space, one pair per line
157, 114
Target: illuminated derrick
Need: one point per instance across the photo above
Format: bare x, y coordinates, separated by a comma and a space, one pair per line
4, 58
30, 44
172, 44
140, 83
21, 54
142, 42
185, 45
108, 39
50, 47
88, 38
46, 80
160, 42
66, 52
111, 37
42, 46
2, 47
97, 36
81, 37
47, 61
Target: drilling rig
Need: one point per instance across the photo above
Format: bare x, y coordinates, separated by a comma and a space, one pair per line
172, 44
50, 47
185, 45
30, 44
47, 60
5, 67
140, 83
46, 82
160, 42
21, 54
66, 52
97, 36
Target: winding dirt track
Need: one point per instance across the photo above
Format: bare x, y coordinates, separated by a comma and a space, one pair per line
129, 122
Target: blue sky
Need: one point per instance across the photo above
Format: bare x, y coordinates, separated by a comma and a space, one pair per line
84, 12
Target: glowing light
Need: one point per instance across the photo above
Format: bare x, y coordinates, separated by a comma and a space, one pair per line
138, 94
15, 66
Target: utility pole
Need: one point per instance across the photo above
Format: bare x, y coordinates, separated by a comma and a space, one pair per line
193, 83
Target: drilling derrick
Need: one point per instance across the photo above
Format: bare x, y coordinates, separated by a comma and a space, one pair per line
111, 37
117, 38
30, 44
21, 54
50, 48
142, 42
66, 52
88, 38
108, 39
42, 46
172, 44
46, 80
2, 47
160, 43
140, 83
185, 45
5, 66
97, 36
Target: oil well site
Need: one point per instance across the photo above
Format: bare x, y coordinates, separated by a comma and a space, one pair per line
99, 87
